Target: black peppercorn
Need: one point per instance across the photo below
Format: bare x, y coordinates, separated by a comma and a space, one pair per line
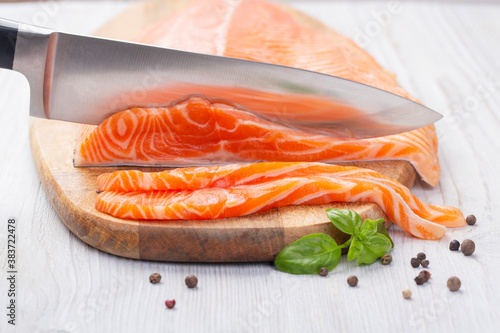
454, 245
415, 262
425, 263
468, 247
419, 280
425, 274
422, 277
421, 256
323, 271
352, 280
155, 278
471, 220
191, 281
454, 283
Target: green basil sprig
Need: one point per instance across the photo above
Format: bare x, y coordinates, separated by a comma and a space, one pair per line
308, 254
369, 241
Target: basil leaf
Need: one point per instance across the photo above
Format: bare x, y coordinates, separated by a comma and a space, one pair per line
374, 247
355, 249
344, 219
381, 229
308, 254
356, 232
365, 233
370, 225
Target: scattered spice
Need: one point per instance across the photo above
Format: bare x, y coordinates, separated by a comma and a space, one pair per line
454, 283
471, 220
170, 303
352, 280
426, 275
386, 259
323, 271
406, 293
155, 278
421, 256
415, 262
468, 247
419, 280
191, 281
422, 277
425, 263
454, 245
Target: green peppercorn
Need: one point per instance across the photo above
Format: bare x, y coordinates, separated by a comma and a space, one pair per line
468, 247
386, 259
471, 220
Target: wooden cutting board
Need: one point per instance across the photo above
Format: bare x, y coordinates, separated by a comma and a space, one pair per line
258, 237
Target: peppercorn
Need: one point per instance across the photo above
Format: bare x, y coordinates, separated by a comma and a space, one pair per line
406, 293
468, 247
170, 303
323, 271
352, 280
425, 274
454, 283
471, 220
415, 262
454, 245
155, 278
419, 280
386, 259
425, 263
191, 281
422, 277
421, 256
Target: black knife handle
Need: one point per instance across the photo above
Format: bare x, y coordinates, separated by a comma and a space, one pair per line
8, 40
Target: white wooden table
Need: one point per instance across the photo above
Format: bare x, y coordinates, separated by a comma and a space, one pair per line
447, 55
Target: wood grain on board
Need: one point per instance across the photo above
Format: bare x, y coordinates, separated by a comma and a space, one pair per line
258, 237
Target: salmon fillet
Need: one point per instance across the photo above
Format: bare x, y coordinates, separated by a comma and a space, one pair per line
198, 132
241, 189
203, 132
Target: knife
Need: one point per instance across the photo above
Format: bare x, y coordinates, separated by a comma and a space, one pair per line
86, 79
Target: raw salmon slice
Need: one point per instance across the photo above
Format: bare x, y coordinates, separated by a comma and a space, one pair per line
202, 132
199, 132
235, 175
278, 190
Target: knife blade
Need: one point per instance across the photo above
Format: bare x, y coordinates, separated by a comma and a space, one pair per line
86, 79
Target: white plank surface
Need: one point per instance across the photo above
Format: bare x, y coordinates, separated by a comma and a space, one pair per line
444, 54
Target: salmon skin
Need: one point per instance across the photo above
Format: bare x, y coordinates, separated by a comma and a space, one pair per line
203, 131
242, 189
